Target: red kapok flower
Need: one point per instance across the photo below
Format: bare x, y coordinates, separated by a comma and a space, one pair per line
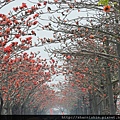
33, 32
107, 8
17, 35
15, 8
1, 15
45, 2
68, 57
8, 49
32, 61
36, 15
35, 22
55, 1
28, 38
7, 30
1, 33
24, 5
91, 36
8, 0
14, 43
39, 4
3, 43
33, 8
53, 60
35, 83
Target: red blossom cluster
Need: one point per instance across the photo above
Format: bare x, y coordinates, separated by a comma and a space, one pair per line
25, 72
8, 49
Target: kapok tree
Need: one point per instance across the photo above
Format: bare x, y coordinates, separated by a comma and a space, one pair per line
39, 100
19, 72
92, 40
27, 74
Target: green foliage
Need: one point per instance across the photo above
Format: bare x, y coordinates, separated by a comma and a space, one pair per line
114, 3
103, 2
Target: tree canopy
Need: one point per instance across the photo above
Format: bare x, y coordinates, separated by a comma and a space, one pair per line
84, 49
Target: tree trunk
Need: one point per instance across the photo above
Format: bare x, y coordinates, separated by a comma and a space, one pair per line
90, 104
109, 83
1, 104
95, 104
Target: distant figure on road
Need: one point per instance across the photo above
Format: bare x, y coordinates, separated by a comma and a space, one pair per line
51, 111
